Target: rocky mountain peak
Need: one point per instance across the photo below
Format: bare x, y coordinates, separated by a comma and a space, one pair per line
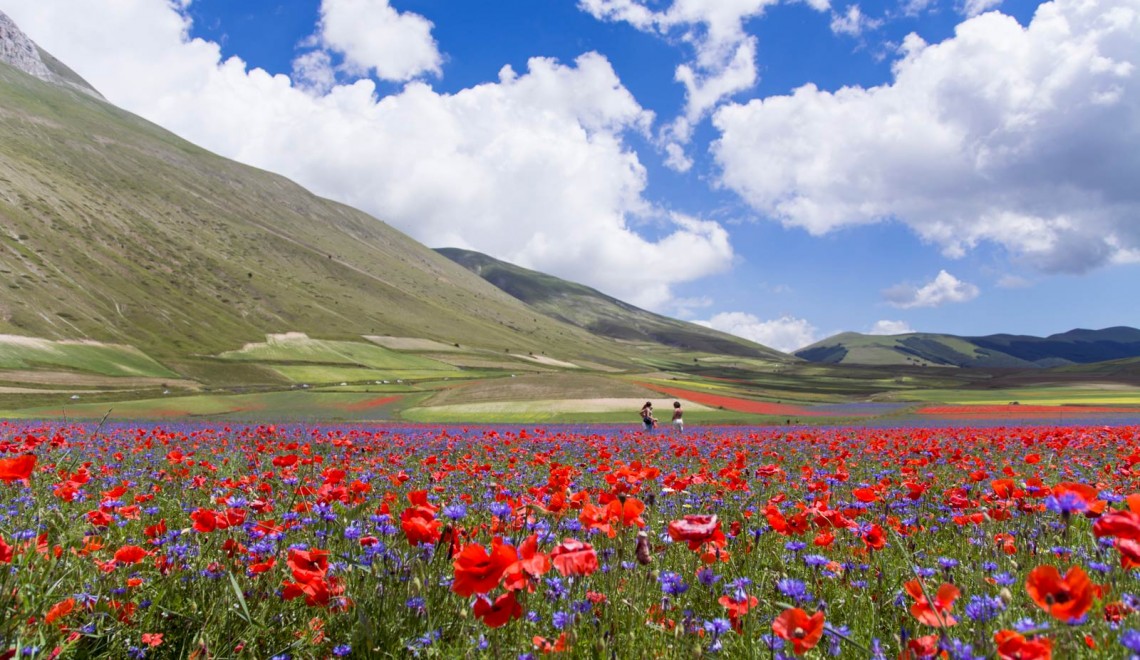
20, 52
17, 50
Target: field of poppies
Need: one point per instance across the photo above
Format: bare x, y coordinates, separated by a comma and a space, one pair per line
200, 541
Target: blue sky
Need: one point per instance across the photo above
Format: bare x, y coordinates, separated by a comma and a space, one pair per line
962, 166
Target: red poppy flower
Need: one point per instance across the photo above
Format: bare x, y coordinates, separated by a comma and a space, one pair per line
936, 614
697, 530
573, 557
803, 631
531, 564
874, 538
477, 572
59, 610
1065, 598
1129, 552
99, 518
259, 567
205, 520
545, 646
627, 513
1012, 646
420, 526
921, 648
130, 554
17, 469
1121, 524
285, 461
308, 565
498, 613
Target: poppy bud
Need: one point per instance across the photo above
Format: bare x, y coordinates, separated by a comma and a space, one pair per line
1005, 595
644, 556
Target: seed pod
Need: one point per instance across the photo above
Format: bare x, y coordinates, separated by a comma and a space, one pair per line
644, 556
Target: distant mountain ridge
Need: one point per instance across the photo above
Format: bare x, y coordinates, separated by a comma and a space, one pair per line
1078, 346
600, 314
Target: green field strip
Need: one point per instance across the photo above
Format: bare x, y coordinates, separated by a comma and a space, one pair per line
90, 357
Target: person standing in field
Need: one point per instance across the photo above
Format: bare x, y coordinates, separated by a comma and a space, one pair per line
678, 422
647, 418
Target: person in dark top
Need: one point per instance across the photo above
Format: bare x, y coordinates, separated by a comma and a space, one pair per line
647, 418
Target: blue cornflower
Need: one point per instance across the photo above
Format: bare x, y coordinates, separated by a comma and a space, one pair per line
1130, 639
562, 619
1066, 505
772, 641
342, 650
795, 546
1004, 579
984, 608
877, 650
672, 584
457, 511
816, 560
718, 626
960, 650
707, 577
794, 589
555, 589
1027, 625
835, 637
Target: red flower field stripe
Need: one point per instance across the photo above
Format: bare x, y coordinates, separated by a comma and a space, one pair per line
730, 403
1019, 410
372, 403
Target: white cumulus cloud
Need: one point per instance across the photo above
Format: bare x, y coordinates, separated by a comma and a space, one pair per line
373, 36
785, 333
886, 327
531, 167
1021, 136
944, 288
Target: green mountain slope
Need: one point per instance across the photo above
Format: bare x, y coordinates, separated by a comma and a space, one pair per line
116, 230
993, 351
1078, 346
600, 314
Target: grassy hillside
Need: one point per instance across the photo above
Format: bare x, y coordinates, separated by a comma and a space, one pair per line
993, 351
1078, 346
600, 314
914, 349
113, 229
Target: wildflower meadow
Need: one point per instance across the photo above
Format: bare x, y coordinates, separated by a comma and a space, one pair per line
213, 541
